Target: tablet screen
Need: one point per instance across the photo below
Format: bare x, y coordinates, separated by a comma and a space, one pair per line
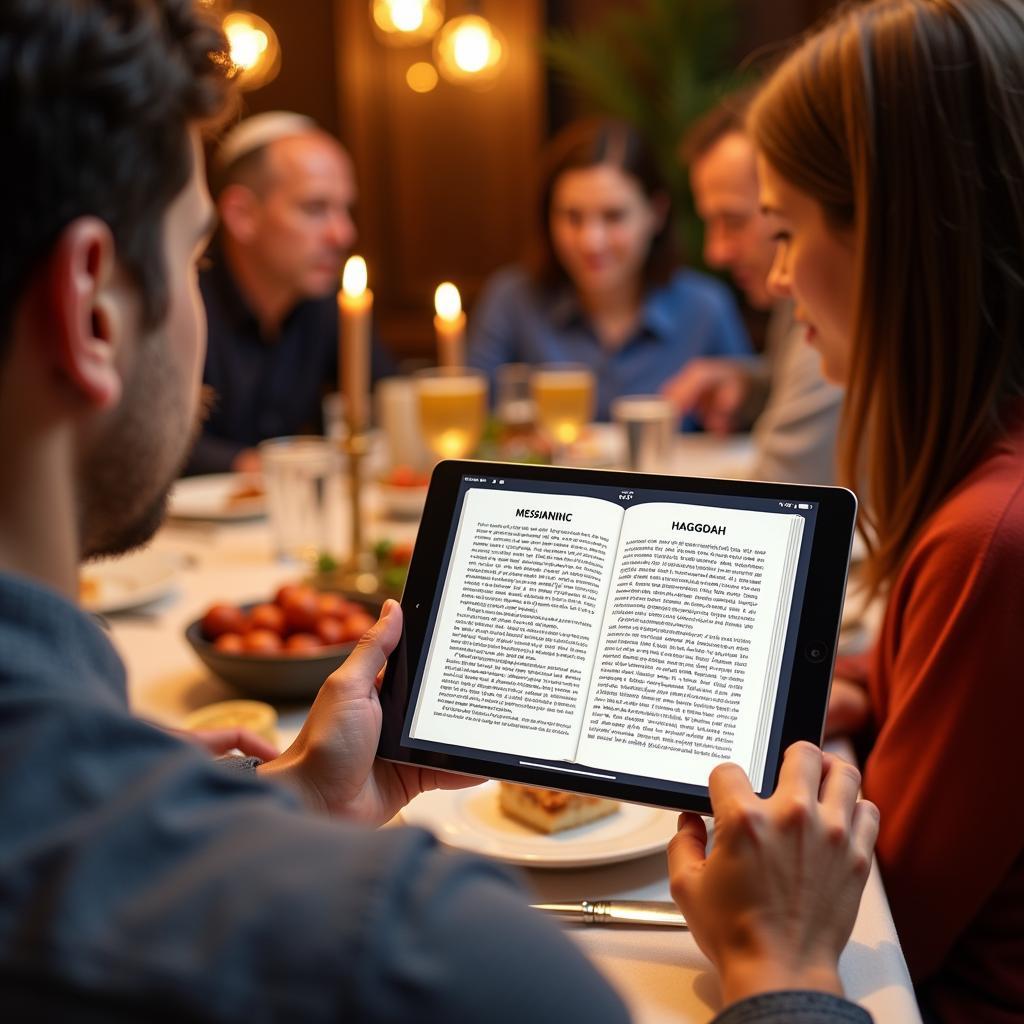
609, 634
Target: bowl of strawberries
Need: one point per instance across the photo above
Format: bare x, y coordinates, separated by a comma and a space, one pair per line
283, 648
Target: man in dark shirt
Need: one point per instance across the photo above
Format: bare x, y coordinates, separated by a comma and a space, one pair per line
140, 880
284, 191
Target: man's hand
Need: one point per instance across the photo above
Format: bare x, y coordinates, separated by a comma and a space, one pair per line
332, 762
713, 389
774, 902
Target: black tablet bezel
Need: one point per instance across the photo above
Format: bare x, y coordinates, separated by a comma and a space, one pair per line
817, 634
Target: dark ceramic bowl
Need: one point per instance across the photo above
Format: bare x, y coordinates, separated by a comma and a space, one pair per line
271, 676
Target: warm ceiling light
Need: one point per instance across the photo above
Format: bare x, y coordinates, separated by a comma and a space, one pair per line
253, 49
421, 77
406, 22
470, 51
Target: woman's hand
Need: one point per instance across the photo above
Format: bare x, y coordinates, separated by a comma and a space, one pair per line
332, 763
774, 902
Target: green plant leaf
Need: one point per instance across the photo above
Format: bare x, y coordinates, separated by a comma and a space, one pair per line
658, 65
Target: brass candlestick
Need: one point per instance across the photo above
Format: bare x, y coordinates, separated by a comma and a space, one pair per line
360, 569
358, 573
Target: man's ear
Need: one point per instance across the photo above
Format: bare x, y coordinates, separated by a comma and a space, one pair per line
238, 207
87, 310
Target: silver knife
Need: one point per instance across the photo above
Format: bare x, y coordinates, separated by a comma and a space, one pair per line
628, 912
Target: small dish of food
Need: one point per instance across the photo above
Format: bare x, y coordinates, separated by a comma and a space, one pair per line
283, 648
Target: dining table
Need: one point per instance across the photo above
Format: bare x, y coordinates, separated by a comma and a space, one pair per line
660, 972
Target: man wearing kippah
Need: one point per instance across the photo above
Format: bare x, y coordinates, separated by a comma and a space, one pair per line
284, 190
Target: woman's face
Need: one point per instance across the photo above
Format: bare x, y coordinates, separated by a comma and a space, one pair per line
602, 226
815, 266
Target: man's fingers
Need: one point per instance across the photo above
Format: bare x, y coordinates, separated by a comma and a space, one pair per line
727, 785
864, 831
688, 847
375, 645
449, 780
688, 388
840, 786
800, 775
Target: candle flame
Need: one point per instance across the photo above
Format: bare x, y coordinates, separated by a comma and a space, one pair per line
447, 301
353, 278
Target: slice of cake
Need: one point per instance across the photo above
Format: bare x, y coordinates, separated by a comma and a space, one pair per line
549, 810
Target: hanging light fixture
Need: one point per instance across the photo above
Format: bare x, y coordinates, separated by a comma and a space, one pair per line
470, 51
406, 22
253, 49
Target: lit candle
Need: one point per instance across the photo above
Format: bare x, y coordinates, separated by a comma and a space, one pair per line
450, 325
355, 307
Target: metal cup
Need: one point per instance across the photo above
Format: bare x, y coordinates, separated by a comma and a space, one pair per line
648, 424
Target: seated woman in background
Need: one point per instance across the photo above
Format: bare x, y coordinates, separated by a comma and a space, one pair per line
892, 163
604, 289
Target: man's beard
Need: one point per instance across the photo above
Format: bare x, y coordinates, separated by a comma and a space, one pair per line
127, 476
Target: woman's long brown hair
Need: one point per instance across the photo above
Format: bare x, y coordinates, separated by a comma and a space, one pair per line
905, 120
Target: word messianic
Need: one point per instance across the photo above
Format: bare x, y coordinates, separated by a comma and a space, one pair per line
538, 513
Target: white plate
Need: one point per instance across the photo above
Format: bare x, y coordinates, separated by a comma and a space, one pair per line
209, 497
128, 582
470, 819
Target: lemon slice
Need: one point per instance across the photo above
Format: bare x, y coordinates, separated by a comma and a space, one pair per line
253, 715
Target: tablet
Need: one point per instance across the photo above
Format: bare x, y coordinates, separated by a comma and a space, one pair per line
613, 633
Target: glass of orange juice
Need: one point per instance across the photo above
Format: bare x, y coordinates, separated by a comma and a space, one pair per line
564, 395
452, 403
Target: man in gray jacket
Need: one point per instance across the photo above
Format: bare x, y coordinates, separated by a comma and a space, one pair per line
795, 411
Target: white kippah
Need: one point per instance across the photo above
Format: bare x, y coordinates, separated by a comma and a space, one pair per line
258, 131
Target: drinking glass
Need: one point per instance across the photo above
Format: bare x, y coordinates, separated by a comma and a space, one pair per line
648, 423
453, 409
513, 404
564, 394
397, 406
302, 477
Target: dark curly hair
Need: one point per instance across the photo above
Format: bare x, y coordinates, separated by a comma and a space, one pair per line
96, 98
